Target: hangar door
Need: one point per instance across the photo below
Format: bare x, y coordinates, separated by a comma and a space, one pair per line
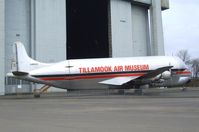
121, 26
87, 29
140, 31
129, 28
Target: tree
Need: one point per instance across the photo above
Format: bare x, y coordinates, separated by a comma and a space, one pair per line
195, 67
184, 55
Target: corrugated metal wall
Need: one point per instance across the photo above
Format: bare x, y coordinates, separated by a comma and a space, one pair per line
41, 26
17, 28
2, 49
17, 18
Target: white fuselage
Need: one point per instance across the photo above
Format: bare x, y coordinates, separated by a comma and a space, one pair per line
87, 73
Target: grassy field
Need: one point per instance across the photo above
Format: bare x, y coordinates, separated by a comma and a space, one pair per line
194, 83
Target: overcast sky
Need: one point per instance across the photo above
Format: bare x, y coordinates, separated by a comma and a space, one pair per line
181, 27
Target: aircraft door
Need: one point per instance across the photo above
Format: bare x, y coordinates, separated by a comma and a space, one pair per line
67, 71
73, 69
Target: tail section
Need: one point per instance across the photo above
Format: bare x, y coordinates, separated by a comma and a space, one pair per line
22, 62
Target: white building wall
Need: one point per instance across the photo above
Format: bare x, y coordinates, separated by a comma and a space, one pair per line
50, 30
2, 48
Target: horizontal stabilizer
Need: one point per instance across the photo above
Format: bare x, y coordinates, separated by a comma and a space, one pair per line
17, 73
27, 77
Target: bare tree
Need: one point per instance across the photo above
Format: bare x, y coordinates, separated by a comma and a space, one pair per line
184, 55
195, 67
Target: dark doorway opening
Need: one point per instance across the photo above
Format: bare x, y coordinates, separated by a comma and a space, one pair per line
87, 29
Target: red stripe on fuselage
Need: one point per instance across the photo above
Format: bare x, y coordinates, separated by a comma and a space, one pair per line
91, 76
184, 72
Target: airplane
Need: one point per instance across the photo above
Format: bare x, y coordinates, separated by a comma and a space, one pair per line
103, 73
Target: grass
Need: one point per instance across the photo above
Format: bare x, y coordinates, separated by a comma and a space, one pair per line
194, 83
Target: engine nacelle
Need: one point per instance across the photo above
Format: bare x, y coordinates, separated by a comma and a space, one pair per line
166, 75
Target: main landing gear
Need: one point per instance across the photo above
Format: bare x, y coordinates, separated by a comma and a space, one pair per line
138, 91
37, 92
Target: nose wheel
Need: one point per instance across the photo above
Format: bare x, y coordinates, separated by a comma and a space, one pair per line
37, 92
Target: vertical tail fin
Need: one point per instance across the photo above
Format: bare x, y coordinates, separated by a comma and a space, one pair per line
23, 63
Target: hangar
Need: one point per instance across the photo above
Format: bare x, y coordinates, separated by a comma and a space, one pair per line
54, 30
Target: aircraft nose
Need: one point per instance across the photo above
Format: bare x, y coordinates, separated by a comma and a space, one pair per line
184, 80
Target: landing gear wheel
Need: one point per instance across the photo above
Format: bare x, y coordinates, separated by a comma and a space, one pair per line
37, 93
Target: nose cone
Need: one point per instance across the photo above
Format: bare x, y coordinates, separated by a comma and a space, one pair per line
184, 80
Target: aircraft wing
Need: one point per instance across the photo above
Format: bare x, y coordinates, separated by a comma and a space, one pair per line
156, 72
118, 81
